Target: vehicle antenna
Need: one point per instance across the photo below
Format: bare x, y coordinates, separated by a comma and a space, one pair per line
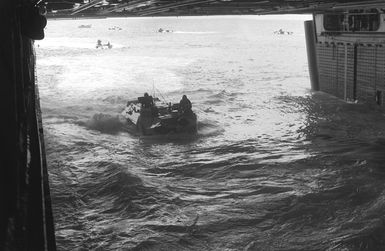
161, 95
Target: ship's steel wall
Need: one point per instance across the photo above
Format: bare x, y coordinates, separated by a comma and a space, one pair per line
354, 72
336, 69
26, 221
366, 73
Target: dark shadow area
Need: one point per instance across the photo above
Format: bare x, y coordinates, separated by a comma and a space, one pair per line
26, 221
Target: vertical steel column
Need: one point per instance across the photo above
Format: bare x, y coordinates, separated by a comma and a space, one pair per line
345, 71
355, 73
312, 54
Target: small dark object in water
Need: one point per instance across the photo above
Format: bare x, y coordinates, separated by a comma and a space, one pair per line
115, 28
282, 32
101, 46
84, 26
163, 30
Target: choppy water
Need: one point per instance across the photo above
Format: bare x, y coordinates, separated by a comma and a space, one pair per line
273, 166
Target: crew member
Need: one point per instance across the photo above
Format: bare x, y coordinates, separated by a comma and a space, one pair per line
184, 104
147, 101
99, 44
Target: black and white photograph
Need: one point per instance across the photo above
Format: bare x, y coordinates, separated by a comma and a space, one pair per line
192, 125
